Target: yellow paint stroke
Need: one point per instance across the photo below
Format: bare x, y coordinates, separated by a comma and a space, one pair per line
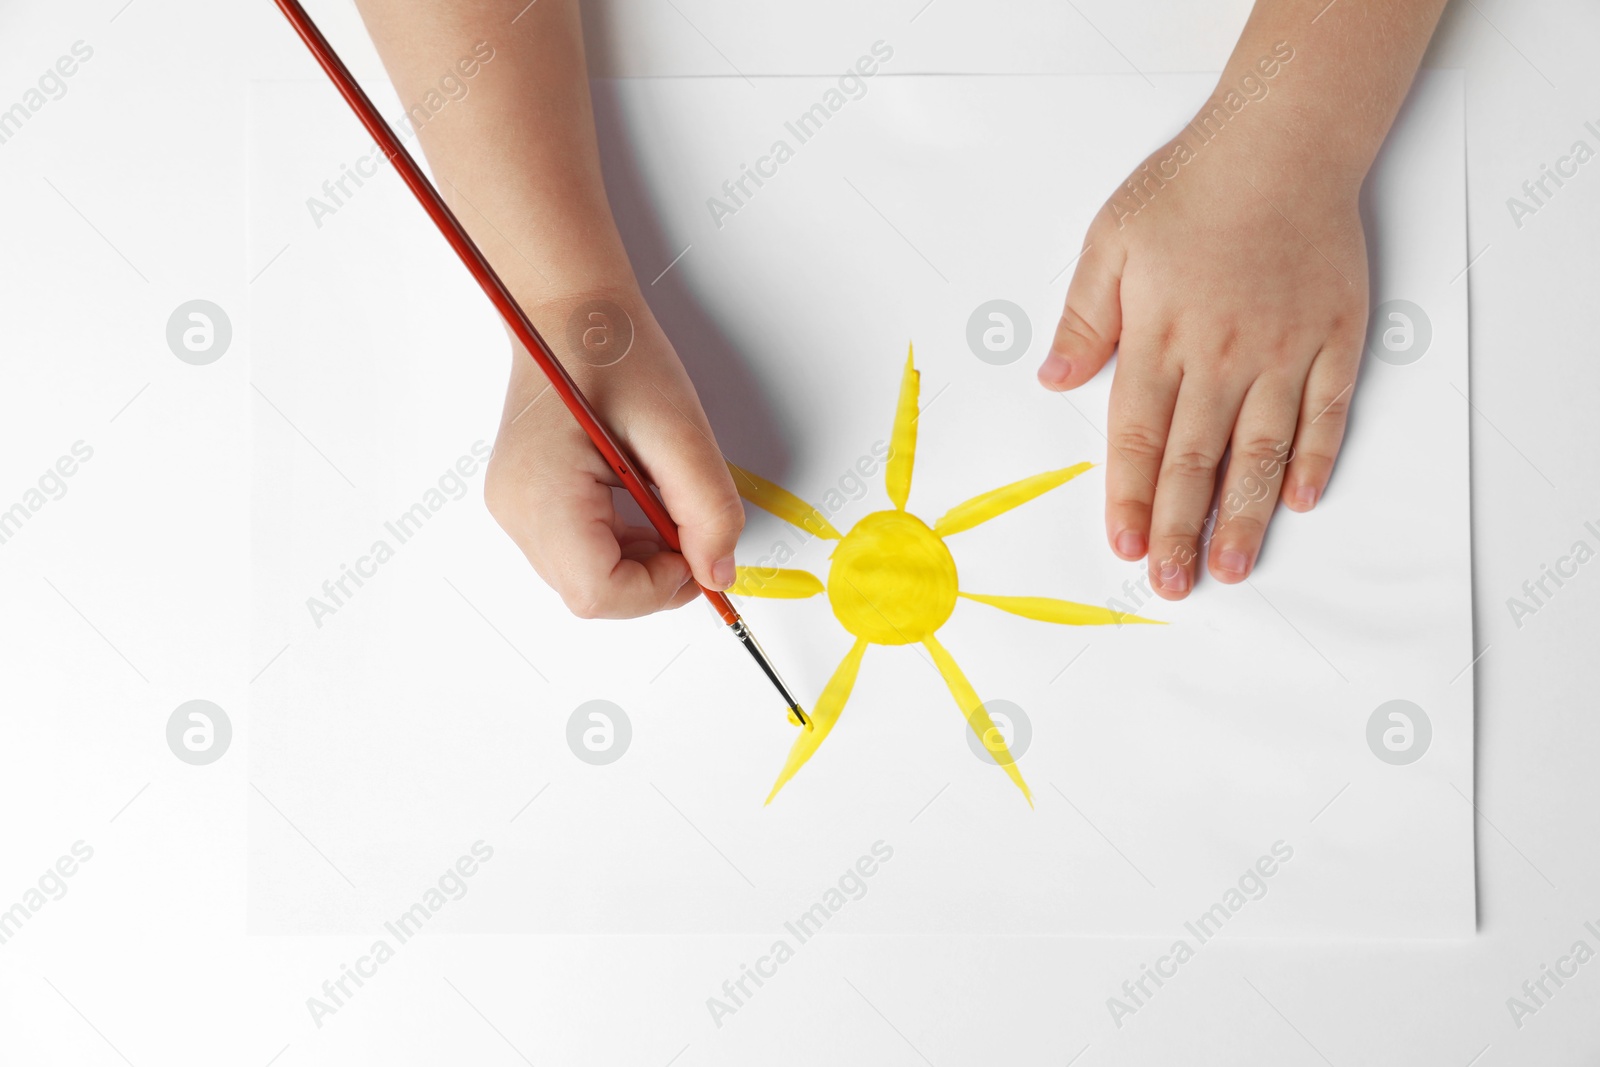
775, 582
977, 718
986, 506
1065, 612
823, 715
769, 496
893, 581
903, 441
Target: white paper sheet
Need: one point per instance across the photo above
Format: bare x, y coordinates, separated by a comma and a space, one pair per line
431, 710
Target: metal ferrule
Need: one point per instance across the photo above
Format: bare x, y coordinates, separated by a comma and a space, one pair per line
748, 639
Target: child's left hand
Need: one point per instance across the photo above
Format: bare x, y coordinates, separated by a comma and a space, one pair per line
1236, 297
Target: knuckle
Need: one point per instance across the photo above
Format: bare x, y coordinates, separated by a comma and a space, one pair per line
1073, 326
1176, 532
1332, 409
1165, 335
1226, 340
1260, 447
725, 520
582, 608
587, 599
1189, 463
1139, 443
1349, 324
1128, 507
1259, 453
1241, 528
1312, 462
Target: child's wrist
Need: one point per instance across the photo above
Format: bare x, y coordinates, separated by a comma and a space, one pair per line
1279, 141
572, 292
1273, 117
591, 320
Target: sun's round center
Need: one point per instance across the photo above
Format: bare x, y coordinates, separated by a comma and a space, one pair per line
892, 581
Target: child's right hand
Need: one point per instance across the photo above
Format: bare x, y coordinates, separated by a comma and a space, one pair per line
552, 491
518, 161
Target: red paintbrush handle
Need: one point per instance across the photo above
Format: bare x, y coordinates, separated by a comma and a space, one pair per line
626, 470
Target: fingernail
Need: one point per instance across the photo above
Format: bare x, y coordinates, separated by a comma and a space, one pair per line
1174, 578
1306, 496
722, 572
1056, 369
1130, 545
1233, 561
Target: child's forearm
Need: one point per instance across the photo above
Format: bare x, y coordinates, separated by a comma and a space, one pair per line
516, 156
1329, 107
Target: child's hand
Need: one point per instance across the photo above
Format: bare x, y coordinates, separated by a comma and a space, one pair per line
1235, 294
519, 164
1235, 290
552, 492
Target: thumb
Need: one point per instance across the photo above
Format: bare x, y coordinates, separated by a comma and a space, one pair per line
1090, 323
699, 493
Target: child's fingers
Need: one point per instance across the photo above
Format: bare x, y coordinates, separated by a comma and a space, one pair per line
1142, 396
1090, 323
1323, 414
1207, 409
636, 538
594, 576
684, 462
642, 542
566, 525
1256, 465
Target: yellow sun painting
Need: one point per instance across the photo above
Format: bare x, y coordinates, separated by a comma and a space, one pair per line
893, 581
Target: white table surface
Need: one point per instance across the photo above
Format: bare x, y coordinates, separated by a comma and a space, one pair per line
126, 198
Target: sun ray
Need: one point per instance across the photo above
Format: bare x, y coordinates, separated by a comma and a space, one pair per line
986, 506
1065, 612
776, 582
977, 718
903, 441
769, 496
823, 715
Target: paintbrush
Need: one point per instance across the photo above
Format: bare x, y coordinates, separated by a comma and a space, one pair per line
609, 447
